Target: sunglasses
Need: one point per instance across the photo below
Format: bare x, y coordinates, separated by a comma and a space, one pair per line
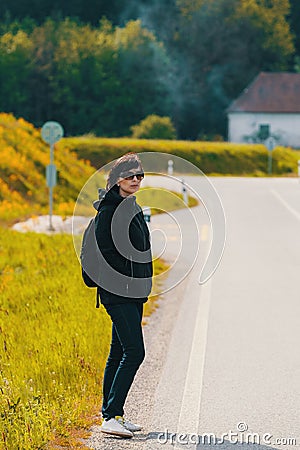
130, 175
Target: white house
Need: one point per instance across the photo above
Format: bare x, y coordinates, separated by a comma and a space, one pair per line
269, 106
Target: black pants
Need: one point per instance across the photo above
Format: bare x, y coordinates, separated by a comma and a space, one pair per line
126, 355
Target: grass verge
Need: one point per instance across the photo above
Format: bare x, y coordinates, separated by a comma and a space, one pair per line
54, 343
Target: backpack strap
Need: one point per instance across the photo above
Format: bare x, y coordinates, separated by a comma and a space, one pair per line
98, 288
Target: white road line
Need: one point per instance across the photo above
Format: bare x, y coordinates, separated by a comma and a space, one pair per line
204, 232
288, 207
173, 238
188, 421
166, 225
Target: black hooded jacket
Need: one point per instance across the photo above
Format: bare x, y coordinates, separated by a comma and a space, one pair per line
124, 241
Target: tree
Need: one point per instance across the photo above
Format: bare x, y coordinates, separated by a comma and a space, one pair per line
85, 78
89, 11
188, 63
294, 20
96, 79
154, 127
224, 44
15, 50
144, 70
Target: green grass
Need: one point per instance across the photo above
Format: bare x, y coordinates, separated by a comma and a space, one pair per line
162, 200
54, 342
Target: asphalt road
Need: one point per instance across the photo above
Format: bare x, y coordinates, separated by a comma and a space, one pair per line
223, 360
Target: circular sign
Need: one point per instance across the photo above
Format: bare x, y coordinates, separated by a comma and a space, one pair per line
52, 132
270, 143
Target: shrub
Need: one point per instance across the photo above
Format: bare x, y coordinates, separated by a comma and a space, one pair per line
154, 127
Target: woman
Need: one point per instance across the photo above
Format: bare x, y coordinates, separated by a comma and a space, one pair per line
123, 239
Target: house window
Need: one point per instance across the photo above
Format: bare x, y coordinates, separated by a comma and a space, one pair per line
264, 131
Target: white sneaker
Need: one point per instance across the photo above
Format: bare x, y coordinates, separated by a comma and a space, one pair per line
129, 426
113, 426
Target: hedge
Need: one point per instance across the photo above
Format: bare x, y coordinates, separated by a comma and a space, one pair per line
213, 158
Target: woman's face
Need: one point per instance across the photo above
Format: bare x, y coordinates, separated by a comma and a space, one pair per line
130, 181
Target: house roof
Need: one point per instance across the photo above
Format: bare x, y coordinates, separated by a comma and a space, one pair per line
270, 93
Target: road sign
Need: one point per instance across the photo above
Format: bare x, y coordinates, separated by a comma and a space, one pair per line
270, 143
52, 132
51, 175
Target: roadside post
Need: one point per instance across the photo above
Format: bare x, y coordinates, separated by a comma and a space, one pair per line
51, 133
184, 193
299, 169
270, 144
147, 213
170, 167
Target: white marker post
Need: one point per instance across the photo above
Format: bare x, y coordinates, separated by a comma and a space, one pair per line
270, 144
299, 169
51, 133
184, 193
147, 213
170, 167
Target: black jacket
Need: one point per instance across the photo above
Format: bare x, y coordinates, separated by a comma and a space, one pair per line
124, 241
